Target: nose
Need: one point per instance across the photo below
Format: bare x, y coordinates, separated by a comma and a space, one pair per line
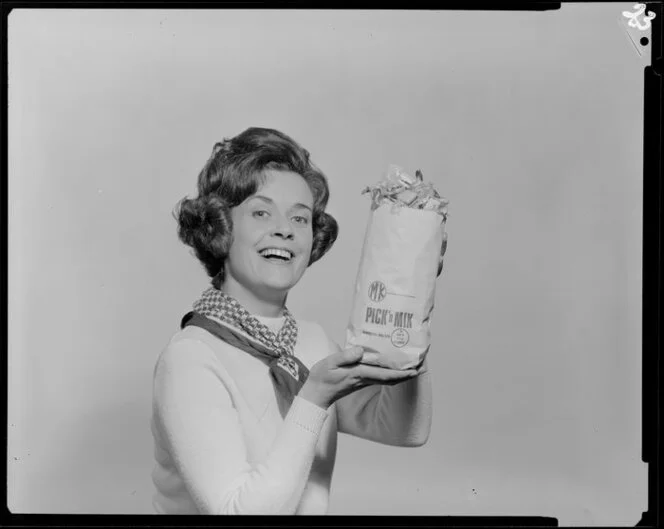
282, 227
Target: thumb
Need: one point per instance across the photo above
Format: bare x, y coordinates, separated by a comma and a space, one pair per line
350, 355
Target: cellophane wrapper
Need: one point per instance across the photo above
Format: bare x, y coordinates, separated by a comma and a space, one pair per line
396, 280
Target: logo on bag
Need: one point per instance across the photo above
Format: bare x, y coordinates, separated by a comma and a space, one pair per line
400, 337
377, 291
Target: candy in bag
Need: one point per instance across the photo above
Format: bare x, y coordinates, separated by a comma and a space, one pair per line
396, 280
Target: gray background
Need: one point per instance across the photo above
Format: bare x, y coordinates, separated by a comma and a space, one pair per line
530, 123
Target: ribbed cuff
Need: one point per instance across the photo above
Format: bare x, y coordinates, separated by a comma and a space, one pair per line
307, 415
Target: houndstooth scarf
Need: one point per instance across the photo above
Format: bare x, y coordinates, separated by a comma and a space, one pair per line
223, 316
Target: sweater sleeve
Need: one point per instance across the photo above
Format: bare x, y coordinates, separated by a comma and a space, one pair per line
195, 412
398, 415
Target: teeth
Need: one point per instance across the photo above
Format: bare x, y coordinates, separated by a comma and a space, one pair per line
269, 252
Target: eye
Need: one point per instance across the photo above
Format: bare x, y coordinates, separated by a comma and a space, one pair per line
261, 213
301, 220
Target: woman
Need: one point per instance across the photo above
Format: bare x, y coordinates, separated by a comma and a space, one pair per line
247, 400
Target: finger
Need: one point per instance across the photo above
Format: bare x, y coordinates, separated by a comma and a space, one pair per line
399, 380
419, 364
392, 382
410, 374
352, 355
380, 374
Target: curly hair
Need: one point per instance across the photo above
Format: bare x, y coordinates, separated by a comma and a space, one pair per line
234, 172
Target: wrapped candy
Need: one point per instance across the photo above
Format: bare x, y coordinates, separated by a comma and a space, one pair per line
396, 279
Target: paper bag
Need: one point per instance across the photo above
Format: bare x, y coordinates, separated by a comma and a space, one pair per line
396, 281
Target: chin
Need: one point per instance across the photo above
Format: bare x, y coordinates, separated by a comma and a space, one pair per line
280, 279
280, 286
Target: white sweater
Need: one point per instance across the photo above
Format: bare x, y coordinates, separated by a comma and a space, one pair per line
223, 447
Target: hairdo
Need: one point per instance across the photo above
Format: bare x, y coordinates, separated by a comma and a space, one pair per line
235, 171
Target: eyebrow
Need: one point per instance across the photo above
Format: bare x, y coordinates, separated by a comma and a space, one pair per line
270, 201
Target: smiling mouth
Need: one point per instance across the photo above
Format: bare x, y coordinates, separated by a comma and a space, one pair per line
277, 255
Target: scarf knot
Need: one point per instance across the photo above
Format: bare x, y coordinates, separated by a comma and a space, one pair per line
223, 316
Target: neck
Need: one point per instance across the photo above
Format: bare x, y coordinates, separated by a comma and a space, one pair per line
267, 305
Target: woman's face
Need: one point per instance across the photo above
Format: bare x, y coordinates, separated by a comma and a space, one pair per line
272, 236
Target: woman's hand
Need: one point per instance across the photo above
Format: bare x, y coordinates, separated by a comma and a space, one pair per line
340, 374
443, 249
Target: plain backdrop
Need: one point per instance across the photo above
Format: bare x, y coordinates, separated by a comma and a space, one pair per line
529, 122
